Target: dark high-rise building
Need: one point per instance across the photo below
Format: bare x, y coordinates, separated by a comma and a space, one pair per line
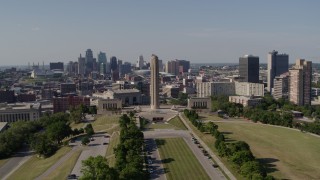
81, 65
113, 63
185, 65
277, 65
89, 61
102, 61
249, 68
56, 66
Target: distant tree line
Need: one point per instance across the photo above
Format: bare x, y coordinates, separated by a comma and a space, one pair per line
271, 111
44, 136
238, 153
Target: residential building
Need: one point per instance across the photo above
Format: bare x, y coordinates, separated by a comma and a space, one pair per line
300, 82
281, 86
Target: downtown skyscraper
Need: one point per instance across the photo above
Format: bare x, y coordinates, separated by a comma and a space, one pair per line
249, 68
277, 65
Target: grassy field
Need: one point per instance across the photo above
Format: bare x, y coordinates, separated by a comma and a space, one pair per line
3, 161
209, 140
152, 126
78, 125
286, 153
114, 141
204, 116
105, 122
179, 161
36, 166
64, 169
176, 121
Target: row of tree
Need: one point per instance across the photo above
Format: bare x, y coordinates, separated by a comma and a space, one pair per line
271, 111
129, 161
238, 153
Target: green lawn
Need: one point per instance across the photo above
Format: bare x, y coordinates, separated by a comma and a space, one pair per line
65, 168
176, 121
105, 122
3, 161
152, 126
204, 116
179, 161
36, 166
287, 153
114, 141
209, 140
78, 125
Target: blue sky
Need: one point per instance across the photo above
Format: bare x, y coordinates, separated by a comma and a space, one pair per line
200, 31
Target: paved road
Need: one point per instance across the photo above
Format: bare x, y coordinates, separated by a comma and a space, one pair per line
156, 165
214, 173
14, 163
94, 148
216, 159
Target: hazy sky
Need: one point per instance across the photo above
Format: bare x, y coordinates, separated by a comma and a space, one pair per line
199, 31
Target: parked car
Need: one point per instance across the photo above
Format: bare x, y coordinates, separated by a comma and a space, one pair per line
72, 176
215, 165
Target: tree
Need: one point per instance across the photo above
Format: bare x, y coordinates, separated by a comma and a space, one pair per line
89, 130
58, 130
75, 115
248, 169
97, 168
85, 140
42, 145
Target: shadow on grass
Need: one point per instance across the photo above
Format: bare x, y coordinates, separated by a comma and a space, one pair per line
269, 164
226, 132
167, 160
229, 140
160, 142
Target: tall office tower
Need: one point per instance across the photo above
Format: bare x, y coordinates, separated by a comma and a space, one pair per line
120, 67
81, 65
154, 86
184, 66
113, 63
108, 70
140, 62
160, 65
277, 65
102, 69
249, 68
102, 60
89, 61
172, 67
300, 82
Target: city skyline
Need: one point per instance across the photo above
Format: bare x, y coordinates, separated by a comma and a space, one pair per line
207, 32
